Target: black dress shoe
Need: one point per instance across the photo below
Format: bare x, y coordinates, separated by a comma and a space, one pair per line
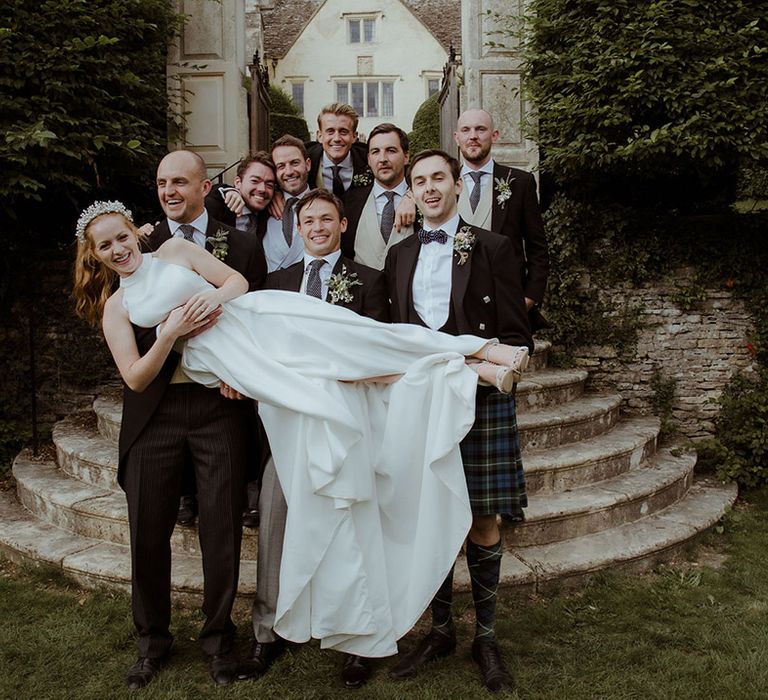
263, 655
187, 510
223, 667
251, 518
143, 671
495, 674
434, 646
356, 671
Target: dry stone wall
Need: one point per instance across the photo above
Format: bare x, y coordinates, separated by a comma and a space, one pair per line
698, 345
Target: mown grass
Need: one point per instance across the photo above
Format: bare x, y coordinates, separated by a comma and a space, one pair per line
689, 631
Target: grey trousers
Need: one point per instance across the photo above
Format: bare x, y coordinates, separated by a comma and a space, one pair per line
273, 509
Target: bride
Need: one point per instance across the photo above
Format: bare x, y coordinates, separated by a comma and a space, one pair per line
364, 421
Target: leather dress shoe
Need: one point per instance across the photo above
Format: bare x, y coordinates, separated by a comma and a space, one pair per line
223, 667
356, 671
187, 510
251, 518
434, 646
487, 655
143, 671
263, 655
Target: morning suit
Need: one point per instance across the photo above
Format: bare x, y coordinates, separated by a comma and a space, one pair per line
362, 241
217, 208
164, 428
487, 301
358, 151
519, 218
369, 299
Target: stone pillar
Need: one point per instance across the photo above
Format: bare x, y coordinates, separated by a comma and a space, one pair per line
207, 66
492, 77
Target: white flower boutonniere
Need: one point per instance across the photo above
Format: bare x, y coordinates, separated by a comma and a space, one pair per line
219, 245
362, 179
340, 286
463, 242
503, 189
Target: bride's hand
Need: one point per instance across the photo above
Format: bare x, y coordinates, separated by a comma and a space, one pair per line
177, 325
202, 304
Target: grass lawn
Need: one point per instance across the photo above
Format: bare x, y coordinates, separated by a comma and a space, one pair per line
688, 631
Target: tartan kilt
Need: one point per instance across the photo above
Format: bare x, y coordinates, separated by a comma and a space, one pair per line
491, 454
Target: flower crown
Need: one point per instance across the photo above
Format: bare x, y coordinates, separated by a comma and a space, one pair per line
97, 209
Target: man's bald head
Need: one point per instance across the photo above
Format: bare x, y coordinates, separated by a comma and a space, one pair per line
474, 135
182, 183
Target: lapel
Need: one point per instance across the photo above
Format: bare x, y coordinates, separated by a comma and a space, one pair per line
460, 282
500, 172
406, 266
293, 277
159, 236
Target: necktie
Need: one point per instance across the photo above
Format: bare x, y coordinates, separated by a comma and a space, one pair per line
288, 220
314, 285
188, 231
474, 195
338, 185
387, 216
438, 236
253, 222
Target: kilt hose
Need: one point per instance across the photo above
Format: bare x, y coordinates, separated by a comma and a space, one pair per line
491, 454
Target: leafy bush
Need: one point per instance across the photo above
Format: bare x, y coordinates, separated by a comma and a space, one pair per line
285, 117
740, 450
650, 102
83, 108
426, 127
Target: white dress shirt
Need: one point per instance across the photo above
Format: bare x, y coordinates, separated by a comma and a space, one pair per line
485, 180
378, 196
345, 173
325, 271
432, 277
276, 250
200, 225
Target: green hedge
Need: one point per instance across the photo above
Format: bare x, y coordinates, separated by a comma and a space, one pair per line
426, 126
285, 117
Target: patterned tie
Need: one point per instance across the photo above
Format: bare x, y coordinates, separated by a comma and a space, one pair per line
387, 216
474, 196
438, 236
288, 220
314, 285
338, 184
188, 231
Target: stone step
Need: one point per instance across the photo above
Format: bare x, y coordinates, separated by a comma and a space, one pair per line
550, 387
109, 411
643, 490
91, 511
634, 546
84, 453
591, 415
92, 562
540, 357
626, 445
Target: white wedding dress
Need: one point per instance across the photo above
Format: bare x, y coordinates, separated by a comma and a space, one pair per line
372, 474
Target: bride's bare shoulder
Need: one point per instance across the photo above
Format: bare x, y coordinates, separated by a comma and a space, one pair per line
176, 250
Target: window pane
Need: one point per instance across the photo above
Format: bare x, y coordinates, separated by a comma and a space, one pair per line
354, 31
433, 86
387, 99
369, 27
297, 95
357, 98
372, 100
342, 93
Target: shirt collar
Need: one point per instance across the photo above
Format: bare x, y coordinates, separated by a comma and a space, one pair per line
449, 226
331, 259
328, 163
487, 168
200, 223
400, 189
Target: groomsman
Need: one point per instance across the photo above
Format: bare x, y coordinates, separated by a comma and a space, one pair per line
371, 209
321, 224
463, 279
337, 156
180, 422
503, 200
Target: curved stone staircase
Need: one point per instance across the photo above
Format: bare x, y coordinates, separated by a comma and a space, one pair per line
601, 494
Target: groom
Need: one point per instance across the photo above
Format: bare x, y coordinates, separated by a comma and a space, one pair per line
462, 279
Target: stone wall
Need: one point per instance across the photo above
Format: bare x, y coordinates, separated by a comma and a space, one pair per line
698, 345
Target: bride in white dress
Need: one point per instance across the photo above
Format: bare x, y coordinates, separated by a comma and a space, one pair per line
371, 472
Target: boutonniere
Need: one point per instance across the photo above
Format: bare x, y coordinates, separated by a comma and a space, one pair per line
219, 245
362, 179
340, 286
463, 242
503, 189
